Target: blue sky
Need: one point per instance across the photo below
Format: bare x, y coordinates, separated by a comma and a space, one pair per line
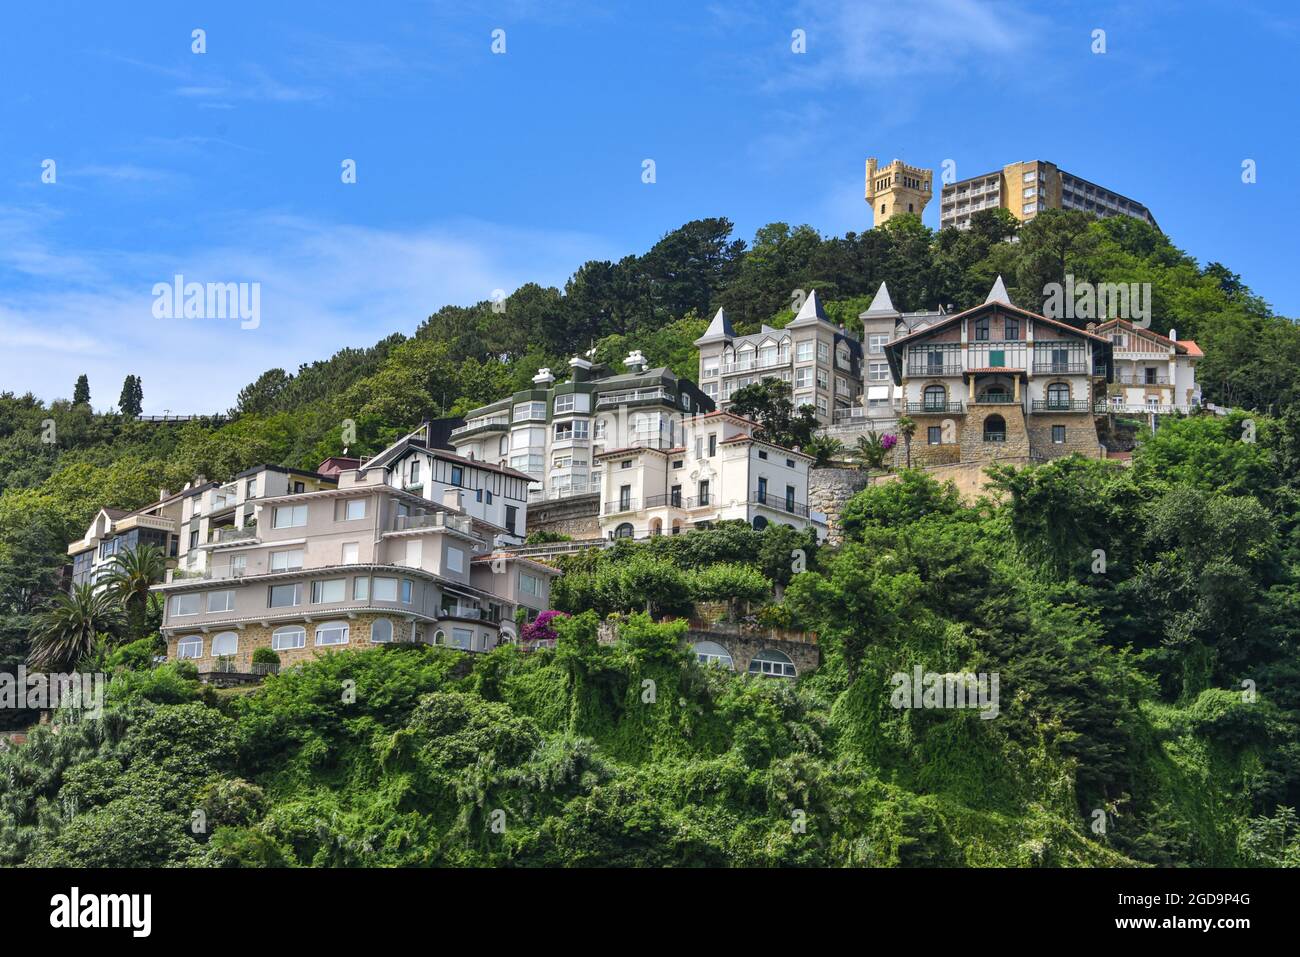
478, 171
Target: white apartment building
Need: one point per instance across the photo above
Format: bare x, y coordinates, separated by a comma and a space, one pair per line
554, 433
116, 530
720, 472
821, 363
1151, 373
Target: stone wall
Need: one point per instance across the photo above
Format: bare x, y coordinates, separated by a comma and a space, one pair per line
254, 636
1080, 436
741, 642
829, 490
577, 516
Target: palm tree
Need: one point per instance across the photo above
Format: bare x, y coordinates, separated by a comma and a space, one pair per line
823, 448
130, 576
66, 631
907, 429
870, 451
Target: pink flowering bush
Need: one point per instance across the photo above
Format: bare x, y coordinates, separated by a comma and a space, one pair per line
539, 629
888, 441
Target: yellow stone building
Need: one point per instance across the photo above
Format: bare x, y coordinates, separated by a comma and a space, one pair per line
1028, 188
897, 188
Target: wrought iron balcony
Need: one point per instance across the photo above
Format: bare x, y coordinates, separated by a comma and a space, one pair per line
620, 505
1061, 368
936, 408
1061, 405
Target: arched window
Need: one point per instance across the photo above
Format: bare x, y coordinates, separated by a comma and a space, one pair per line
624, 531
381, 631
288, 638
712, 653
1058, 396
191, 647
332, 633
226, 643
439, 637
774, 664
995, 429
760, 523
936, 398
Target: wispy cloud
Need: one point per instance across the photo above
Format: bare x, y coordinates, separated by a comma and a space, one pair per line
323, 285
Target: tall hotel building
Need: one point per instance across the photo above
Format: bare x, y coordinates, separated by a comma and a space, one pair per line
1026, 189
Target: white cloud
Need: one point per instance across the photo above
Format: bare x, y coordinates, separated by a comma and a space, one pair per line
324, 286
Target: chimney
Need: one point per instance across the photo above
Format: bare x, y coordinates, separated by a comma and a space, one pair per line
635, 361
162, 494
1173, 335
581, 369
451, 498
544, 378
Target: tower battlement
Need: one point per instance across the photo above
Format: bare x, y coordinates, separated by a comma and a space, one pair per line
897, 188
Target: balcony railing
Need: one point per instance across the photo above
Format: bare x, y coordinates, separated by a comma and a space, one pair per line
996, 398
660, 501
747, 365
1061, 368
564, 491
701, 501
933, 368
778, 502
462, 611
995, 436
635, 395
1131, 379
435, 520
620, 505
936, 408
234, 534
491, 422
1061, 405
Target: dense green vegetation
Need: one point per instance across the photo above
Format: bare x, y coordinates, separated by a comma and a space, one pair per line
1121, 682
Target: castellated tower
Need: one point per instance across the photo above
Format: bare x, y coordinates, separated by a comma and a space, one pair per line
897, 188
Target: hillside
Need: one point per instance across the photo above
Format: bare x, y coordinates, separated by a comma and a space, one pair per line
1159, 690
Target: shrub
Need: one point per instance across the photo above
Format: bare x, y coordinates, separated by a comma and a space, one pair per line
265, 656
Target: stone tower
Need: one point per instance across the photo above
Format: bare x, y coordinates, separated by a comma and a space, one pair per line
897, 188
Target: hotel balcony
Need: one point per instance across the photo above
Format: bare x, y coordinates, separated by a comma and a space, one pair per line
779, 503
995, 398
1057, 405
1131, 379
665, 501
494, 423
1061, 368
633, 397
933, 369
444, 521
620, 506
749, 365
936, 408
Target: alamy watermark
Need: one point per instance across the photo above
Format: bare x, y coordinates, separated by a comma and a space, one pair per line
38, 691
954, 690
213, 300
1106, 300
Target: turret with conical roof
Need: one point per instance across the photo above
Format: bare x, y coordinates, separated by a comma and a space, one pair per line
999, 293
811, 311
719, 330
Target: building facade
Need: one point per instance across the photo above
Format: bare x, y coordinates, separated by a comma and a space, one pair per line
351, 566
554, 432
721, 472
116, 530
897, 188
998, 381
1150, 373
821, 362
1026, 189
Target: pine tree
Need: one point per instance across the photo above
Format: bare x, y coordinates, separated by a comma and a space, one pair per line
132, 396
81, 391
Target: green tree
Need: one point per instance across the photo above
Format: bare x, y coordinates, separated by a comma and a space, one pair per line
907, 429
130, 576
768, 403
131, 400
81, 391
67, 630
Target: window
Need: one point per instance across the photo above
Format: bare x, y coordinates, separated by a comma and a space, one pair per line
457, 476
332, 633
527, 411
1058, 435
703, 489
675, 496
934, 435
455, 560
221, 601
385, 589
194, 539
712, 653
351, 553
333, 589
381, 631
877, 371
1058, 396
286, 560
1010, 328
823, 352
512, 517
414, 553
250, 488
823, 380
225, 644
530, 585
186, 605
762, 454
285, 596
462, 638
761, 495
189, 648
299, 488
355, 509
789, 463
710, 369
677, 463
789, 498
713, 443
821, 404
288, 637
624, 498
406, 591
563, 403
238, 566
982, 329
876, 343
625, 464
415, 472
935, 398
625, 530
771, 663
995, 429
289, 516
574, 429
841, 385
803, 377
361, 589
803, 351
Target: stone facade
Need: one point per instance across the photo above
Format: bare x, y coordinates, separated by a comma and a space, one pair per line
742, 647
829, 490
1080, 436
577, 516
252, 637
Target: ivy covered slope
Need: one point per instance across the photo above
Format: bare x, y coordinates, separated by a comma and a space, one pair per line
1160, 690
